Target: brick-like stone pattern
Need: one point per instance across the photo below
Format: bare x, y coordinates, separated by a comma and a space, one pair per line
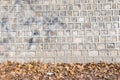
60, 30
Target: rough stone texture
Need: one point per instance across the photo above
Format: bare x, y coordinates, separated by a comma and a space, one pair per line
60, 30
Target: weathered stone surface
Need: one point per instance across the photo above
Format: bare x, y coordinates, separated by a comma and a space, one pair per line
58, 28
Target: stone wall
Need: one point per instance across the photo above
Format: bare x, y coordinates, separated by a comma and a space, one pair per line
60, 30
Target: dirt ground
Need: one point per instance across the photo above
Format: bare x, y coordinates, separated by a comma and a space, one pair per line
59, 71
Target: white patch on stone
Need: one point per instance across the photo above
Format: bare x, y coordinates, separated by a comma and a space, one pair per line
109, 26
60, 33
33, 47
81, 19
93, 53
11, 54
107, 6
75, 33
112, 33
78, 40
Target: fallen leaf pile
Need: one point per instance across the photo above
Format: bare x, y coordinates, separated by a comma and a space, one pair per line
59, 71
102, 71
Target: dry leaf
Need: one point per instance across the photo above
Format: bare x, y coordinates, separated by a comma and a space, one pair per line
59, 71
